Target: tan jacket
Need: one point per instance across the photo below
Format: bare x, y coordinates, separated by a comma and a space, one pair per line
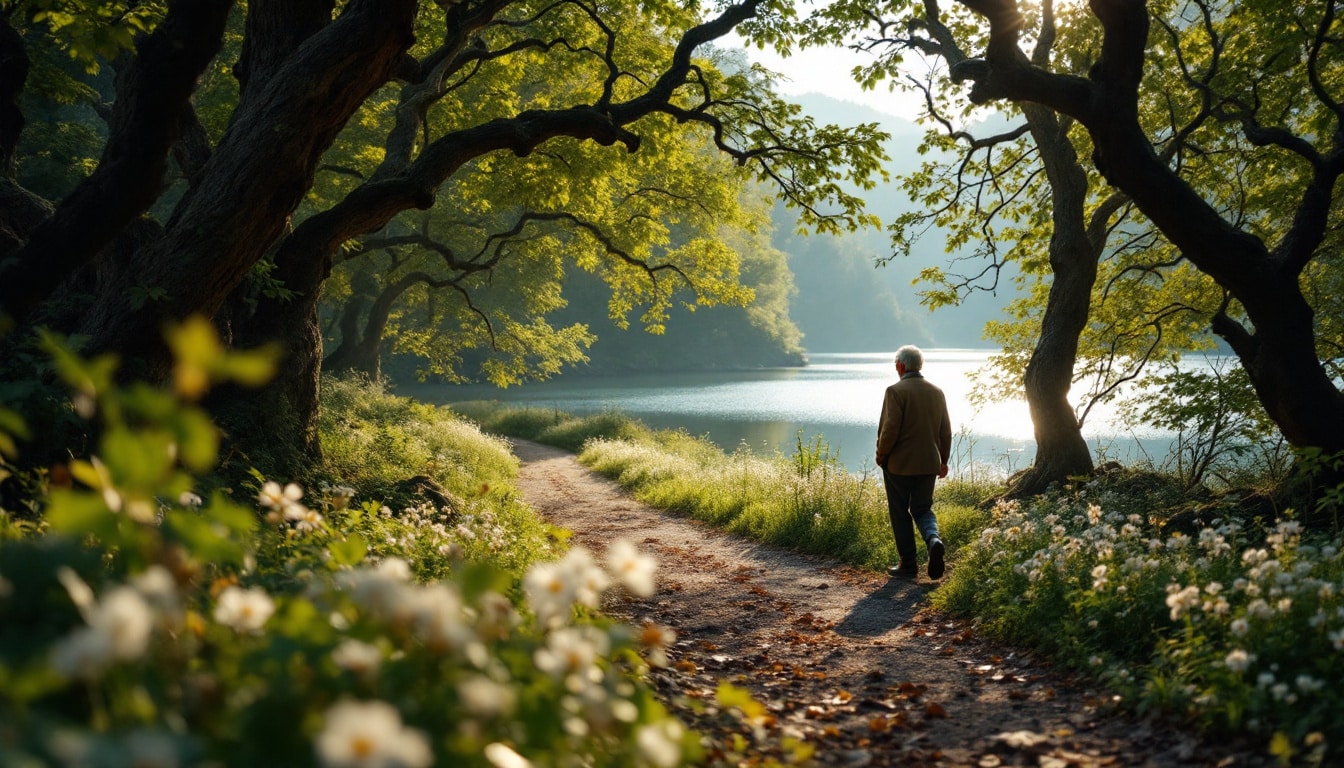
914, 436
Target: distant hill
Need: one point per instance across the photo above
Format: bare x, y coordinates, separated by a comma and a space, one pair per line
844, 303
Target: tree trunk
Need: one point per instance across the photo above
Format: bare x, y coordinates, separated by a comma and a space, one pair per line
151, 94
360, 349
1061, 451
13, 75
256, 177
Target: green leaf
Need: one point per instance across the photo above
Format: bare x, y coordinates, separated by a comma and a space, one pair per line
349, 551
198, 440
300, 619
30, 682
207, 539
478, 577
81, 513
237, 518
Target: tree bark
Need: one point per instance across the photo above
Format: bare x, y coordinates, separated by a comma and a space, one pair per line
152, 95
256, 177
1061, 451
13, 75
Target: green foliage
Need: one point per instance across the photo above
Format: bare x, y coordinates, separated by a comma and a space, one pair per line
145, 625
1220, 426
1233, 628
554, 427
89, 31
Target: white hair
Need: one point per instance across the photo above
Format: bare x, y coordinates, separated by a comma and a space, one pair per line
910, 357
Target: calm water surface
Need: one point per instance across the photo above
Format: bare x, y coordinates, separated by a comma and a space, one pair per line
837, 397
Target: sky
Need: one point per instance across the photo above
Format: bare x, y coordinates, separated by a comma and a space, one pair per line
827, 70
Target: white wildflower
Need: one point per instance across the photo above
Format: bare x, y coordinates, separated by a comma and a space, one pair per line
305, 520
1240, 627
1099, 580
1181, 601
80, 593
84, 654
158, 586
484, 697
357, 656
1337, 639
631, 568
660, 743
1308, 684
126, 620
1093, 514
655, 639
1259, 609
588, 578
549, 592
1239, 660
381, 590
273, 496
370, 734
244, 610
436, 611
571, 651
503, 756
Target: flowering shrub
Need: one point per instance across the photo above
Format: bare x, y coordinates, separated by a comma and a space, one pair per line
1233, 635
142, 625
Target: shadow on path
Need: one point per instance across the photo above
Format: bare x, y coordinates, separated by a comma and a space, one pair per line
888, 607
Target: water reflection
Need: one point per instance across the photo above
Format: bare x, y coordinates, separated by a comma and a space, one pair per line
838, 396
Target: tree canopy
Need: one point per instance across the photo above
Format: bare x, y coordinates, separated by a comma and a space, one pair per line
528, 130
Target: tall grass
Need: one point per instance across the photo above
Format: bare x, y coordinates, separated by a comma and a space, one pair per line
552, 427
806, 501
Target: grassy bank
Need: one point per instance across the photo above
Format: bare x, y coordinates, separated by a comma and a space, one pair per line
1232, 627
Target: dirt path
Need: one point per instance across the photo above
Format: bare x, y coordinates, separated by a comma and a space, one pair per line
852, 661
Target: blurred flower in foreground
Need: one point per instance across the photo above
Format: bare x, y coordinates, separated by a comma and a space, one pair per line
370, 734
244, 610
632, 569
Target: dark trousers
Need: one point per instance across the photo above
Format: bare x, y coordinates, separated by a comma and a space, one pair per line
910, 505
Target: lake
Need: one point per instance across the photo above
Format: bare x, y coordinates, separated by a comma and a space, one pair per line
837, 397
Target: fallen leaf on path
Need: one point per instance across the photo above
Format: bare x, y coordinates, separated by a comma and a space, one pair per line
1021, 739
934, 709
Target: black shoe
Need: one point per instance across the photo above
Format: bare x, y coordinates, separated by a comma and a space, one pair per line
936, 550
901, 572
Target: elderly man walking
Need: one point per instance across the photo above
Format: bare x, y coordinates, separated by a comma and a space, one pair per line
914, 441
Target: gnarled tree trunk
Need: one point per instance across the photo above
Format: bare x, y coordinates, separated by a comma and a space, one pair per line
1061, 451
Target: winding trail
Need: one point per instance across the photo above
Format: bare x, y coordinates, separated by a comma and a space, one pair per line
855, 663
